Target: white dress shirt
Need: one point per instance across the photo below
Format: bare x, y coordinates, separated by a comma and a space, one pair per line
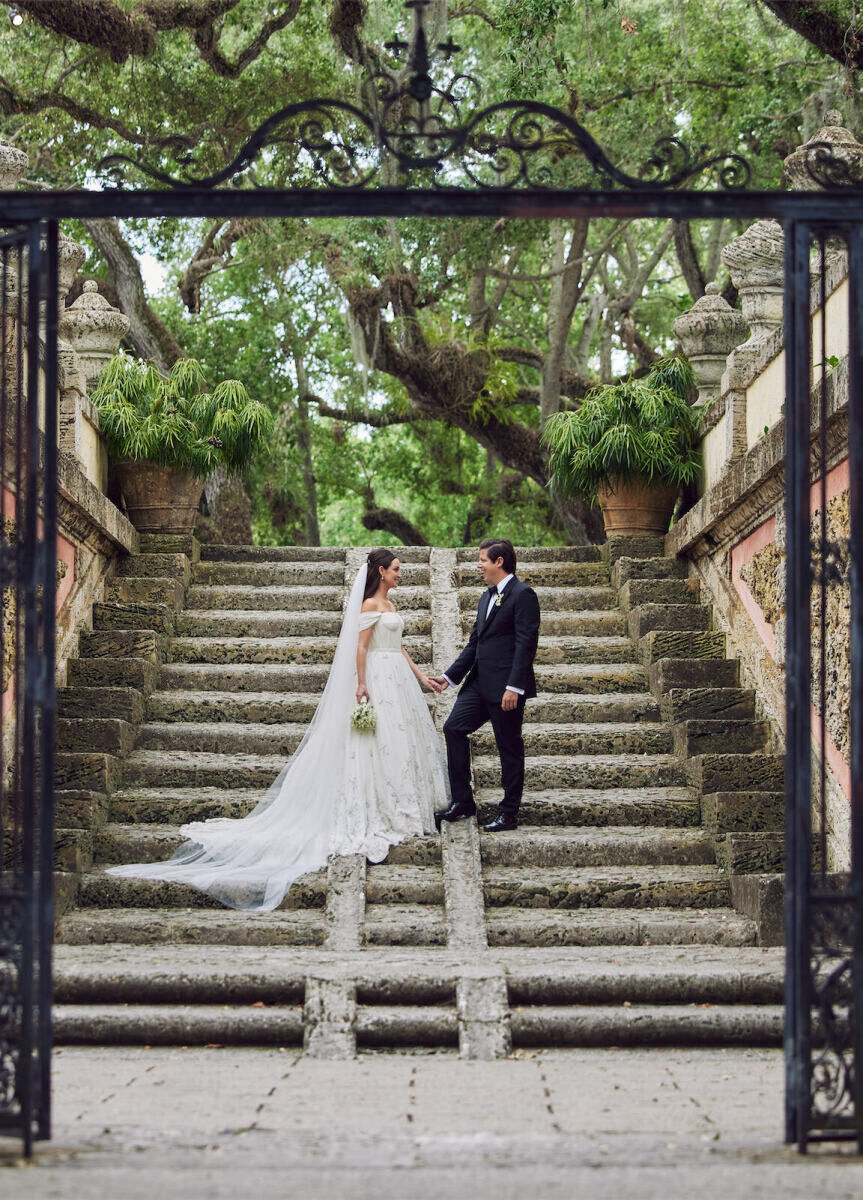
492, 601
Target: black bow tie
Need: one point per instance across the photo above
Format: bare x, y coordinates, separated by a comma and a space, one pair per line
492, 591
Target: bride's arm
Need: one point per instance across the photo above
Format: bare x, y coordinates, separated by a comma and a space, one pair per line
423, 679
362, 651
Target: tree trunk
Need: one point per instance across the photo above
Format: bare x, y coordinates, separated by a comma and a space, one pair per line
390, 521
304, 445
147, 333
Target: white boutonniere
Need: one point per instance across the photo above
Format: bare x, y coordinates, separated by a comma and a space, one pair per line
499, 600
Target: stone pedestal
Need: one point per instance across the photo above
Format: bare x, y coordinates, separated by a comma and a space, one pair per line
707, 333
755, 261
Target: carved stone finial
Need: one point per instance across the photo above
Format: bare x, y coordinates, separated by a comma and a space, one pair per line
831, 158
755, 263
707, 333
94, 329
13, 165
70, 258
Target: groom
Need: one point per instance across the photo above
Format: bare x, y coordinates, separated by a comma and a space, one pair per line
497, 666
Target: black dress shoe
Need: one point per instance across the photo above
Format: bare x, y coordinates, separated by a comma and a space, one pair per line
455, 812
500, 823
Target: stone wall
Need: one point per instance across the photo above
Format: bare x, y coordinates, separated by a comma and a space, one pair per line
734, 536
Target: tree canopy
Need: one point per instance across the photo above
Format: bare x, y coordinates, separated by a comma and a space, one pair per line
410, 365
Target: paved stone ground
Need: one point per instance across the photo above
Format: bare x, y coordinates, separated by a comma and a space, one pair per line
137, 1122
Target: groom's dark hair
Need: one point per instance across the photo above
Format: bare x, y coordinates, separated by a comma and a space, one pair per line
497, 548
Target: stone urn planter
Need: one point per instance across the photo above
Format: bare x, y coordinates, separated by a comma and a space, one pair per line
637, 506
158, 499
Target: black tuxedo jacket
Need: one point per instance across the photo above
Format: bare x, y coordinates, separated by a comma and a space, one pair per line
502, 647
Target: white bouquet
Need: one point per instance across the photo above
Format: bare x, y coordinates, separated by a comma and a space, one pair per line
363, 718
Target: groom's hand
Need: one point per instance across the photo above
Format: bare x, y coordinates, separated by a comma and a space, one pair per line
509, 701
442, 683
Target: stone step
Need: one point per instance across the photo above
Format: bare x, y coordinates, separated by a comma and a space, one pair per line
271, 708
176, 1025
197, 926
146, 590
388, 883
538, 554
231, 623
742, 812
272, 649
87, 771
166, 768
262, 677
170, 543
561, 599
222, 737
138, 673
118, 843
751, 853
709, 926
586, 771
156, 566
670, 643
564, 887
555, 623
282, 599
126, 704
556, 707
100, 890
586, 738
111, 735
591, 678
689, 673
391, 1026
636, 592
648, 568
703, 736
728, 703
80, 809
159, 617
624, 845
179, 805
679, 617
216, 552
281, 574
600, 806
123, 643
545, 574
404, 925
592, 649
737, 772
649, 1025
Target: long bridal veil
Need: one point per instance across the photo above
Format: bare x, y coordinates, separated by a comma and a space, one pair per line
251, 862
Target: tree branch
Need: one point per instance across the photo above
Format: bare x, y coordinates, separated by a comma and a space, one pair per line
393, 522
818, 22
378, 419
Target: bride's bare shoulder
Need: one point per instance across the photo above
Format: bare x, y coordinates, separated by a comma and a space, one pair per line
371, 605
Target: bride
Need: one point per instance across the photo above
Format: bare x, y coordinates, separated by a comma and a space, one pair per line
342, 791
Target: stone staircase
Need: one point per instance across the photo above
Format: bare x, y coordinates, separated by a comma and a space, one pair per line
607, 918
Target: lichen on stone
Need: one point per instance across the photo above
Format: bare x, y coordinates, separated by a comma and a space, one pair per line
760, 575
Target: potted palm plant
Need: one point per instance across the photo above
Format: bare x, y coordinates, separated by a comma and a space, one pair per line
167, 433
631, 445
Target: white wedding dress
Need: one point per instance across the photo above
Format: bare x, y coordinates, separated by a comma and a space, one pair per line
342, 792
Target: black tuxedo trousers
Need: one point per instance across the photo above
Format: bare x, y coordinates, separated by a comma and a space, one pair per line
499, 653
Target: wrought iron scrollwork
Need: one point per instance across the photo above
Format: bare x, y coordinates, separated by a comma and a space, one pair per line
832, 1068
432, 132
829, 167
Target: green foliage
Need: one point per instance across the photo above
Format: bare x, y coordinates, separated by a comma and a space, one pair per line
173, 421
636, 427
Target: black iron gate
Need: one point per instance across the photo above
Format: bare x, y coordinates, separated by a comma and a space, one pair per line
28, 562
824, 888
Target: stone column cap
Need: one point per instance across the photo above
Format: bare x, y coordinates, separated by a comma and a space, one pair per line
831, 158
711, 326
93, 311
756, 257
13, 165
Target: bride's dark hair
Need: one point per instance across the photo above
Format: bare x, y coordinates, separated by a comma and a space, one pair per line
376, 559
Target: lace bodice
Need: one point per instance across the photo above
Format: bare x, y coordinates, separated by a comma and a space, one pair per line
389, 627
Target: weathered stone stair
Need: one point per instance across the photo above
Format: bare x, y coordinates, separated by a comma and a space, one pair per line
606, 918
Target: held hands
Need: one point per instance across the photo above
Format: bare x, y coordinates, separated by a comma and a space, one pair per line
362, 693
437, 683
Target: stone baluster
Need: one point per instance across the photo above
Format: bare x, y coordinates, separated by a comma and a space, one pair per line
94, 329
707, 333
